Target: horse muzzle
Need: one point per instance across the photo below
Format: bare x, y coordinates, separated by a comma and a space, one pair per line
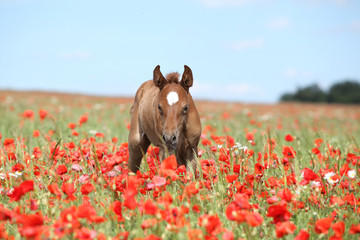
170, 141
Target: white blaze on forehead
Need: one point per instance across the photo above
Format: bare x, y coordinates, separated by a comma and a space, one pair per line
172, 98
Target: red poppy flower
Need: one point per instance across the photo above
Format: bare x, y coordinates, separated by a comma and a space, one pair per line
5, 214
22, 189
130, 193
289, 152
61, 169
83, 119
250, 136
87, 211
196, 208
231, 178
279, 213
28, 113
230, 141
192, 189
285, 194
84, 233
338, 228
68, 188
259, 169
168, 166
254, 219
87, 188
272, 200
54, 189
36, 133
148, 223
18, 167
318, 142
234, 213
323, 225
289, 138
30, 226
315, 151
284, 228
206, 142
117, 209
42, 114
354, 229
149, 207
309, 175
71, 125
8, 141
303, 235
152, 237
211, 223
99, 135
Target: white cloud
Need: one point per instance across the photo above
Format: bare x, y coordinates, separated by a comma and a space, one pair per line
223, 3
246, 44
75, 55
278, 23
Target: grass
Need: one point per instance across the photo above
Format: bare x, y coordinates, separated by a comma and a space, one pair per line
68, 183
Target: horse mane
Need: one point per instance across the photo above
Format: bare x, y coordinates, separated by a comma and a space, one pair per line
173, 77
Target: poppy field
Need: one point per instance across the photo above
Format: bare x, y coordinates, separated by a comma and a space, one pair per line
283, 171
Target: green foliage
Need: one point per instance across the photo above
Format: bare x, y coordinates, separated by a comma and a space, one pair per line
343, 92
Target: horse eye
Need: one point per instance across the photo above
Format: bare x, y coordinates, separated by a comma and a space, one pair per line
186, 108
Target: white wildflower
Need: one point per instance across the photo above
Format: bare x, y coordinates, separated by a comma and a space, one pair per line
329, 175
2, 176
351, 174
315, 183
16, 174
92, 132
332, 181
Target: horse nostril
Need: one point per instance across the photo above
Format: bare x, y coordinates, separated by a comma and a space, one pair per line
173, 139
164, 138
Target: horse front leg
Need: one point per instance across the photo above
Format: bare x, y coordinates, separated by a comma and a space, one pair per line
138, 146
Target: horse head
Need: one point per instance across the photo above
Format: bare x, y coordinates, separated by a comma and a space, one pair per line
172, 106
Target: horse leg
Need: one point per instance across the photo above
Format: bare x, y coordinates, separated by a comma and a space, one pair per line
138, 141
137, 148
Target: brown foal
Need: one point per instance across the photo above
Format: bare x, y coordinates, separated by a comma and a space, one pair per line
165, 115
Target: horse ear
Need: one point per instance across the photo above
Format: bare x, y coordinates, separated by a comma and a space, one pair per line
187, 78
159, 79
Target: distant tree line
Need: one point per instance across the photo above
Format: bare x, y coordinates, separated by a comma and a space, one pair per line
347, 92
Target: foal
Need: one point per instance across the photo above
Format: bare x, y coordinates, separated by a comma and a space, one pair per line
164, 114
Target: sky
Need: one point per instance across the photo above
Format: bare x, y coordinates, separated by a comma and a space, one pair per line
249, 51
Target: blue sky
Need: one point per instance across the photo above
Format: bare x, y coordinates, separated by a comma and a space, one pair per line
239, 50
